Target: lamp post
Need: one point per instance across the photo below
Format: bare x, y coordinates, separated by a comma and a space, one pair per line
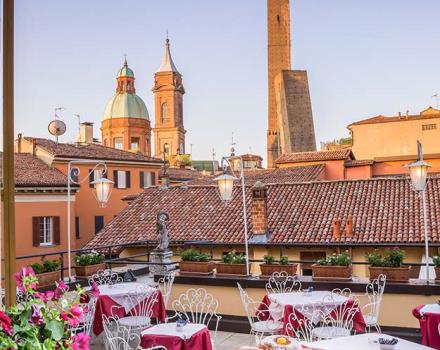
418, 172
225, 184
102, 192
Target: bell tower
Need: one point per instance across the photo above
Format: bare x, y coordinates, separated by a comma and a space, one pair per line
169, 132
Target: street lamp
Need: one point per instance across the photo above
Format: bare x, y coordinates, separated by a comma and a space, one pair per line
225, 185
102, 192
418, 172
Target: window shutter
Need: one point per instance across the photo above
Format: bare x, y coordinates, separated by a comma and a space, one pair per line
56, 230
127, 179
91, 177
141, 179
35, 231
153, 178
115, 178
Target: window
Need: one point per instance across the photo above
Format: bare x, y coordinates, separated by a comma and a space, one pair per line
147, 179
77, 227
309, 256
99, 223
426, 127
118, 143
121, 179
166, 150
45, 230
164, 113
134, 143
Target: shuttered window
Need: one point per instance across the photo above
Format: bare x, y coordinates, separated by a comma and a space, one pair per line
45, 230
147, 179
77, 227
121, 179
99, 223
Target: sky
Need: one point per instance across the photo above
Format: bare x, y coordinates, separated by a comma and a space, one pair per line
363, 58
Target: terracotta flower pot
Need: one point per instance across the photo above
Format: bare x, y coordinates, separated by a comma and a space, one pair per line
394, 274
437, 273
196, 267
231, 269
332, 272
48, 278
269, 269
89, 270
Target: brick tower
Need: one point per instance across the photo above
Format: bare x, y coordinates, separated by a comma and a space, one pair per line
169, 133
290, 121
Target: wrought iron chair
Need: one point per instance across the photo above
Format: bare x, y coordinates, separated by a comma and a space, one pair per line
89, 315
166, 285
300, 322
258, 316
374, 292
103, 277
336, 318
197, 306
282, 282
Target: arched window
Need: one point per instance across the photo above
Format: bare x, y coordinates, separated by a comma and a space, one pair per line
164, 112
166, 150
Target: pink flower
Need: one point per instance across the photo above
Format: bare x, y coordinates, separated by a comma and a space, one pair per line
72, 316
21, 279
61, 285
6, 324
36, 316
45, 297
95, 290
80, 341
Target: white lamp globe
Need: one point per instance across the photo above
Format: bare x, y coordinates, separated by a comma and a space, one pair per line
225, 184
103, 188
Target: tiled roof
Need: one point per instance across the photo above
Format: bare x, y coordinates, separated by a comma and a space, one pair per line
292, 174
31, 171
384, 119
339, 154
89, 151
362, 162
384, 211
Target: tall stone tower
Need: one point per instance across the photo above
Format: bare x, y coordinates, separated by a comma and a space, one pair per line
290, 121
126, 124
169, 132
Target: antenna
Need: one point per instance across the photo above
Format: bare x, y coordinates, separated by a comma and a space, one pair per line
58, 109
191, 152
79, 122
232, 145
213, 161
437, 100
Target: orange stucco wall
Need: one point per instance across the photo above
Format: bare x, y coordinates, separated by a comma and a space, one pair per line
393, 167
359, 172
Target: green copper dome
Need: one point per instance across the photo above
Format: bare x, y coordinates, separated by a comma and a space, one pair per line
125, 71
126, 105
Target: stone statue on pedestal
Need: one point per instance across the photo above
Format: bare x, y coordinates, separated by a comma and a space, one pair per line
161, 255
162, 230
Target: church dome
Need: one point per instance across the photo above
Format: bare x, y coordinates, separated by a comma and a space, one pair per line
126, 105
125, 71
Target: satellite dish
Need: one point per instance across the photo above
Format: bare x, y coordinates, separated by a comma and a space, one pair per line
57, 128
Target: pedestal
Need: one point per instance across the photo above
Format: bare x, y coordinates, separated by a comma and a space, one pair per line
161, 257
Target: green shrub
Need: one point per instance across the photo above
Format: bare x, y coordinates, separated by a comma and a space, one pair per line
194, 255
436, 260
284, 260
391, 258
46, 266
87, 259
269, 259
234, 258
342, 259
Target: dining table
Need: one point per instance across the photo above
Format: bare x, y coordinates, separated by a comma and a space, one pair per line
112, 302
190, 337
429, 320
278, 306
367, 341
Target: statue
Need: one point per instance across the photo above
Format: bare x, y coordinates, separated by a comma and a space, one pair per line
162, 230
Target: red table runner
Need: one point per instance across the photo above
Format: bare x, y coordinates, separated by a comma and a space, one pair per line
107, 306
200, 340
428, 327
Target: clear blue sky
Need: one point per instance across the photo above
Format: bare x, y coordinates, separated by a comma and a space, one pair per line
363, 58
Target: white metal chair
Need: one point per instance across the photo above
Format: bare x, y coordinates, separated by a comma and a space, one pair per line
114, 332
258, 316
197, 306
103, 277
89, 315
165, 286
336, 317
119, 343
300, 322
374, 292
282, 282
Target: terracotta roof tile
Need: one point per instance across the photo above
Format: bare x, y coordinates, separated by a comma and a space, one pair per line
362, 162
340, 154
383, 211
89, 151
383, 119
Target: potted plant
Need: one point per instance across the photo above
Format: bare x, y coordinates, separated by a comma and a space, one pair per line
436, 261
89, 263
336, 266
389, 264
193, 262
270, 266
47, 272
233, 263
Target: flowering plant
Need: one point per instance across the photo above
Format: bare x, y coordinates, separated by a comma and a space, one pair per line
391, 258
342, 259
40, 320
92, 258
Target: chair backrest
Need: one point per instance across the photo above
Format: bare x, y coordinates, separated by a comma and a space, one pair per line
105, 277
282, 282
117, 336
374, 292
166, 285
89, 315
197, 305
300, 322
333, 313
141, 301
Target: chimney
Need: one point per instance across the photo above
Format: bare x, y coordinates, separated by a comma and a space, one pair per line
336, 228
85, 133
349, 226
259, 209
407, 114
19, 138
34, 147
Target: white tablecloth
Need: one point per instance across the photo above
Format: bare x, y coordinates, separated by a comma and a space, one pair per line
431, 308
360, 342
118, 292
170, 329
324, 300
